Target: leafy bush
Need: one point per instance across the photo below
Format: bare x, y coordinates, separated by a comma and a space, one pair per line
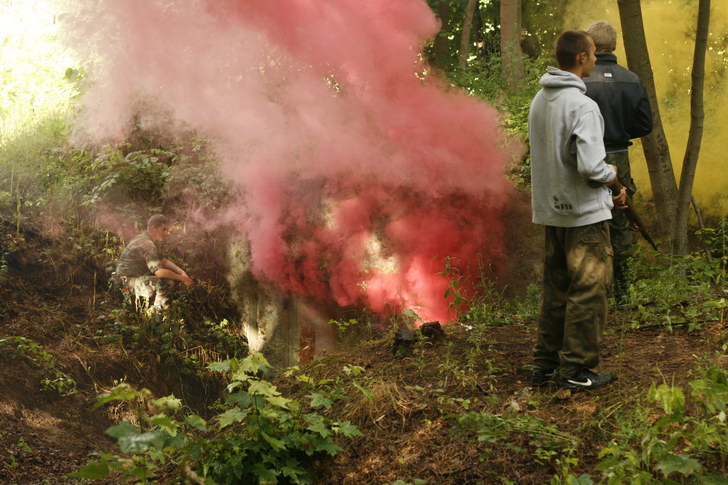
677, 445
676, 291
140, 174
484, 80
258, 436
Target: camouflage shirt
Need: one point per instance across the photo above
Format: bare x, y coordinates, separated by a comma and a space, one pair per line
140, 257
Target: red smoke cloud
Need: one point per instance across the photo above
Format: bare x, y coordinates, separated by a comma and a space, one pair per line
359, 177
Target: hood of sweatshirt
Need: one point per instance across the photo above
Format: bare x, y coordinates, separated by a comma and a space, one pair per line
556, 78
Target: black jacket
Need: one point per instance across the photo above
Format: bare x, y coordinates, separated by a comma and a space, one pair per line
622, 100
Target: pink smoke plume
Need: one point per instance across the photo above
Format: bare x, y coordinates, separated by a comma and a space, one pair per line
359, 174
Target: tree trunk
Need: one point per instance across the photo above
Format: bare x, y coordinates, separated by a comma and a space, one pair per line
465, 39
657, 152
510, 43
690, 161
441, 46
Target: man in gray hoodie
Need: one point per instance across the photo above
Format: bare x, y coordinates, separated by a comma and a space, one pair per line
570, 196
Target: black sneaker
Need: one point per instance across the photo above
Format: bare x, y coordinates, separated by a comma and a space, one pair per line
584, 380
543, 377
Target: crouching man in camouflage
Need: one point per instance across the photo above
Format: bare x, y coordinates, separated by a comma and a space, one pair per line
148, 275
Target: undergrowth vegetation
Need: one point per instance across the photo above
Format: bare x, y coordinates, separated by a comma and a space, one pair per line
256, 436
285, 433
462, 393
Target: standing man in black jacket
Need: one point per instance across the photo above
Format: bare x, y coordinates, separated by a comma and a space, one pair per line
624, 105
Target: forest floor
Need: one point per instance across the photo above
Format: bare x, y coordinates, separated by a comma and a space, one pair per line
57, 353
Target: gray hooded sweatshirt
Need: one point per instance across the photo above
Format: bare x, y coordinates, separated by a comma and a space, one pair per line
566, 132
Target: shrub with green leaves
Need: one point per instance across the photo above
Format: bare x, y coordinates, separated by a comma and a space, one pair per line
259, 436
675, 291
140, 174
682, 444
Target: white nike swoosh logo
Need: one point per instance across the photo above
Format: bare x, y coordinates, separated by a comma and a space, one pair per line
584, 384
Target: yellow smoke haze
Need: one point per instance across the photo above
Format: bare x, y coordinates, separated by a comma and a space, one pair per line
670, 32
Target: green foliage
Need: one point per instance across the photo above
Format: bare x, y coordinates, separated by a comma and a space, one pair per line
715, 240
681, 442
490, 308
455, 290
519, 433
60, 383
28, 349
258, 435
33, 352
138, 175
483, 79
36, 97
679, 291
323, 393
183, 337
343, 325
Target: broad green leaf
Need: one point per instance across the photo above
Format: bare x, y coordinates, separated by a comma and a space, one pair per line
234, 415
254, 363
291, 370
353, 370
313, 418
122, 392
347, 429
292, 469
122, 429
328, 446
263, 388
321, 429
711, 480
411, 313
319, 401
196, 422
139, 443
581, 480
670, 398
367, 393
222, 366
241, 398
276, 444
265, 475
279, 401
240, 375
170, 403
92, 471
681, 464
165, 423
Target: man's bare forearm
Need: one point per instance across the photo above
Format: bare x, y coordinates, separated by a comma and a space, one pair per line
173, 267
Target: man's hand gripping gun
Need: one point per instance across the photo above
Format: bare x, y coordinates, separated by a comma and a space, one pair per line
633, 218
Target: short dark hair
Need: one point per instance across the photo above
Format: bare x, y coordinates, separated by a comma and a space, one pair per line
157, 220
569, 45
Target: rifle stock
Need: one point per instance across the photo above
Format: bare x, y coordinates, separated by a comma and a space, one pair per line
634, 218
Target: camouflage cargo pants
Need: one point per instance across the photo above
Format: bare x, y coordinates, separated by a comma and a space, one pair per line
150, 289
621, 235
577, 273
